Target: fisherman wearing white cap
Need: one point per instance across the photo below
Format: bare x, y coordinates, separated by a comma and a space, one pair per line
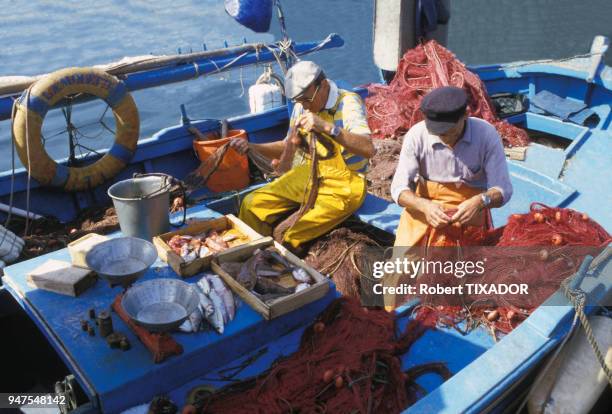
339, 117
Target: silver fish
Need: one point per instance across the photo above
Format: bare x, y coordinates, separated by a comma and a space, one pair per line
204, 285
186, 326
189, 256
204, 251
206, 305
217, 317
226, 295
301, 275
196, 319
301, 287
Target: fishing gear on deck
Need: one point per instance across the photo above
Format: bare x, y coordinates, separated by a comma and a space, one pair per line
347, 361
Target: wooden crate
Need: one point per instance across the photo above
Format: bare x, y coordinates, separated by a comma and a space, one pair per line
280, 306
186, 269
79, 248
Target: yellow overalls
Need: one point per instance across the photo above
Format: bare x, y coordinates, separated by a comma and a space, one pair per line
341, 193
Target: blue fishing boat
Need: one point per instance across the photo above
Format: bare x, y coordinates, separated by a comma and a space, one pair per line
568, 101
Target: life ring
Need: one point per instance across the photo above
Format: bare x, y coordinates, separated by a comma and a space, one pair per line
31, 108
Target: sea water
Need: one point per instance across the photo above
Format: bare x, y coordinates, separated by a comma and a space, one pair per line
40, 36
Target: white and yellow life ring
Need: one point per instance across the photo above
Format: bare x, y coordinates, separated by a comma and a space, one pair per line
31, 108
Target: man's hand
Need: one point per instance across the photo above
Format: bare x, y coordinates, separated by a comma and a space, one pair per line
308, 121
435, 215
239, 144
467, 210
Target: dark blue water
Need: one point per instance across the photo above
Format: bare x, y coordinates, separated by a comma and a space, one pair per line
38, 36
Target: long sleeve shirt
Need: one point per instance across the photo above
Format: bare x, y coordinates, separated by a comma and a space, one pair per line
477, 159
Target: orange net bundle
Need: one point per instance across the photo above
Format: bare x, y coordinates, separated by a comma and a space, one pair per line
392, 110
348, 361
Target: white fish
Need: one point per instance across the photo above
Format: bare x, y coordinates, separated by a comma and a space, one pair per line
204, 285
229, 237
226, 295
186, 326
217, 318
204, 251
301, 287
301, 275
196, 319
206, 305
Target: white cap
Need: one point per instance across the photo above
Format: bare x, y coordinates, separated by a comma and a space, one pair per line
300, 76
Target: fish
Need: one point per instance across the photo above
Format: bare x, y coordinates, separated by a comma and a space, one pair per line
268, 272
217, 318
247, 276
204, 285
206, 305
186, 326
301, 287
301, 275
196, 319
264, 285
229, 237
204, 251
214, 245
227, 296
232, 268
280, 259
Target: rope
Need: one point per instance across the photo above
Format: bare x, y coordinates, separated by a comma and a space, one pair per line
11, 196
577, 299
27, 223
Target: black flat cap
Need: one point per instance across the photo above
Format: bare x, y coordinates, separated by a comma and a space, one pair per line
443, 107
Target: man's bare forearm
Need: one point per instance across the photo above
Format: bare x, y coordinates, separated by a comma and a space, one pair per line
270, 150
358, 144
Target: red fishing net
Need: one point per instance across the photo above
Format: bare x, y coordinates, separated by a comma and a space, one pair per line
348, 361
542, 248
392, 110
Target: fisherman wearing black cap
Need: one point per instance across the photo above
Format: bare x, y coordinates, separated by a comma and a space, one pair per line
338, 116
452, 170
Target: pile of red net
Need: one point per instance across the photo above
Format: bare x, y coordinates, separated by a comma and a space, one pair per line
542, 248
392, 110
348, 361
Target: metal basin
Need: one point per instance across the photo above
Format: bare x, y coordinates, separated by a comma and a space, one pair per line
160, 305
122, 260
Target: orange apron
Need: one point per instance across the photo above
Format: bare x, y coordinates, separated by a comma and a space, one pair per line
414, 231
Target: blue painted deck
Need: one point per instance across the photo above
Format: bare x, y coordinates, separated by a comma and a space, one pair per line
116, 380
485, 373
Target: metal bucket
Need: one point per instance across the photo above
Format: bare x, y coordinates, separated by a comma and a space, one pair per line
142, 205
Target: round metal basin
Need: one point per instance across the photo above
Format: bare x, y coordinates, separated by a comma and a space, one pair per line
160, 305
122, 260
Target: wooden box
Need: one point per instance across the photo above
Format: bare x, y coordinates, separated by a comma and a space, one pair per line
61, 277
282, 305
186, 269
79, 248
